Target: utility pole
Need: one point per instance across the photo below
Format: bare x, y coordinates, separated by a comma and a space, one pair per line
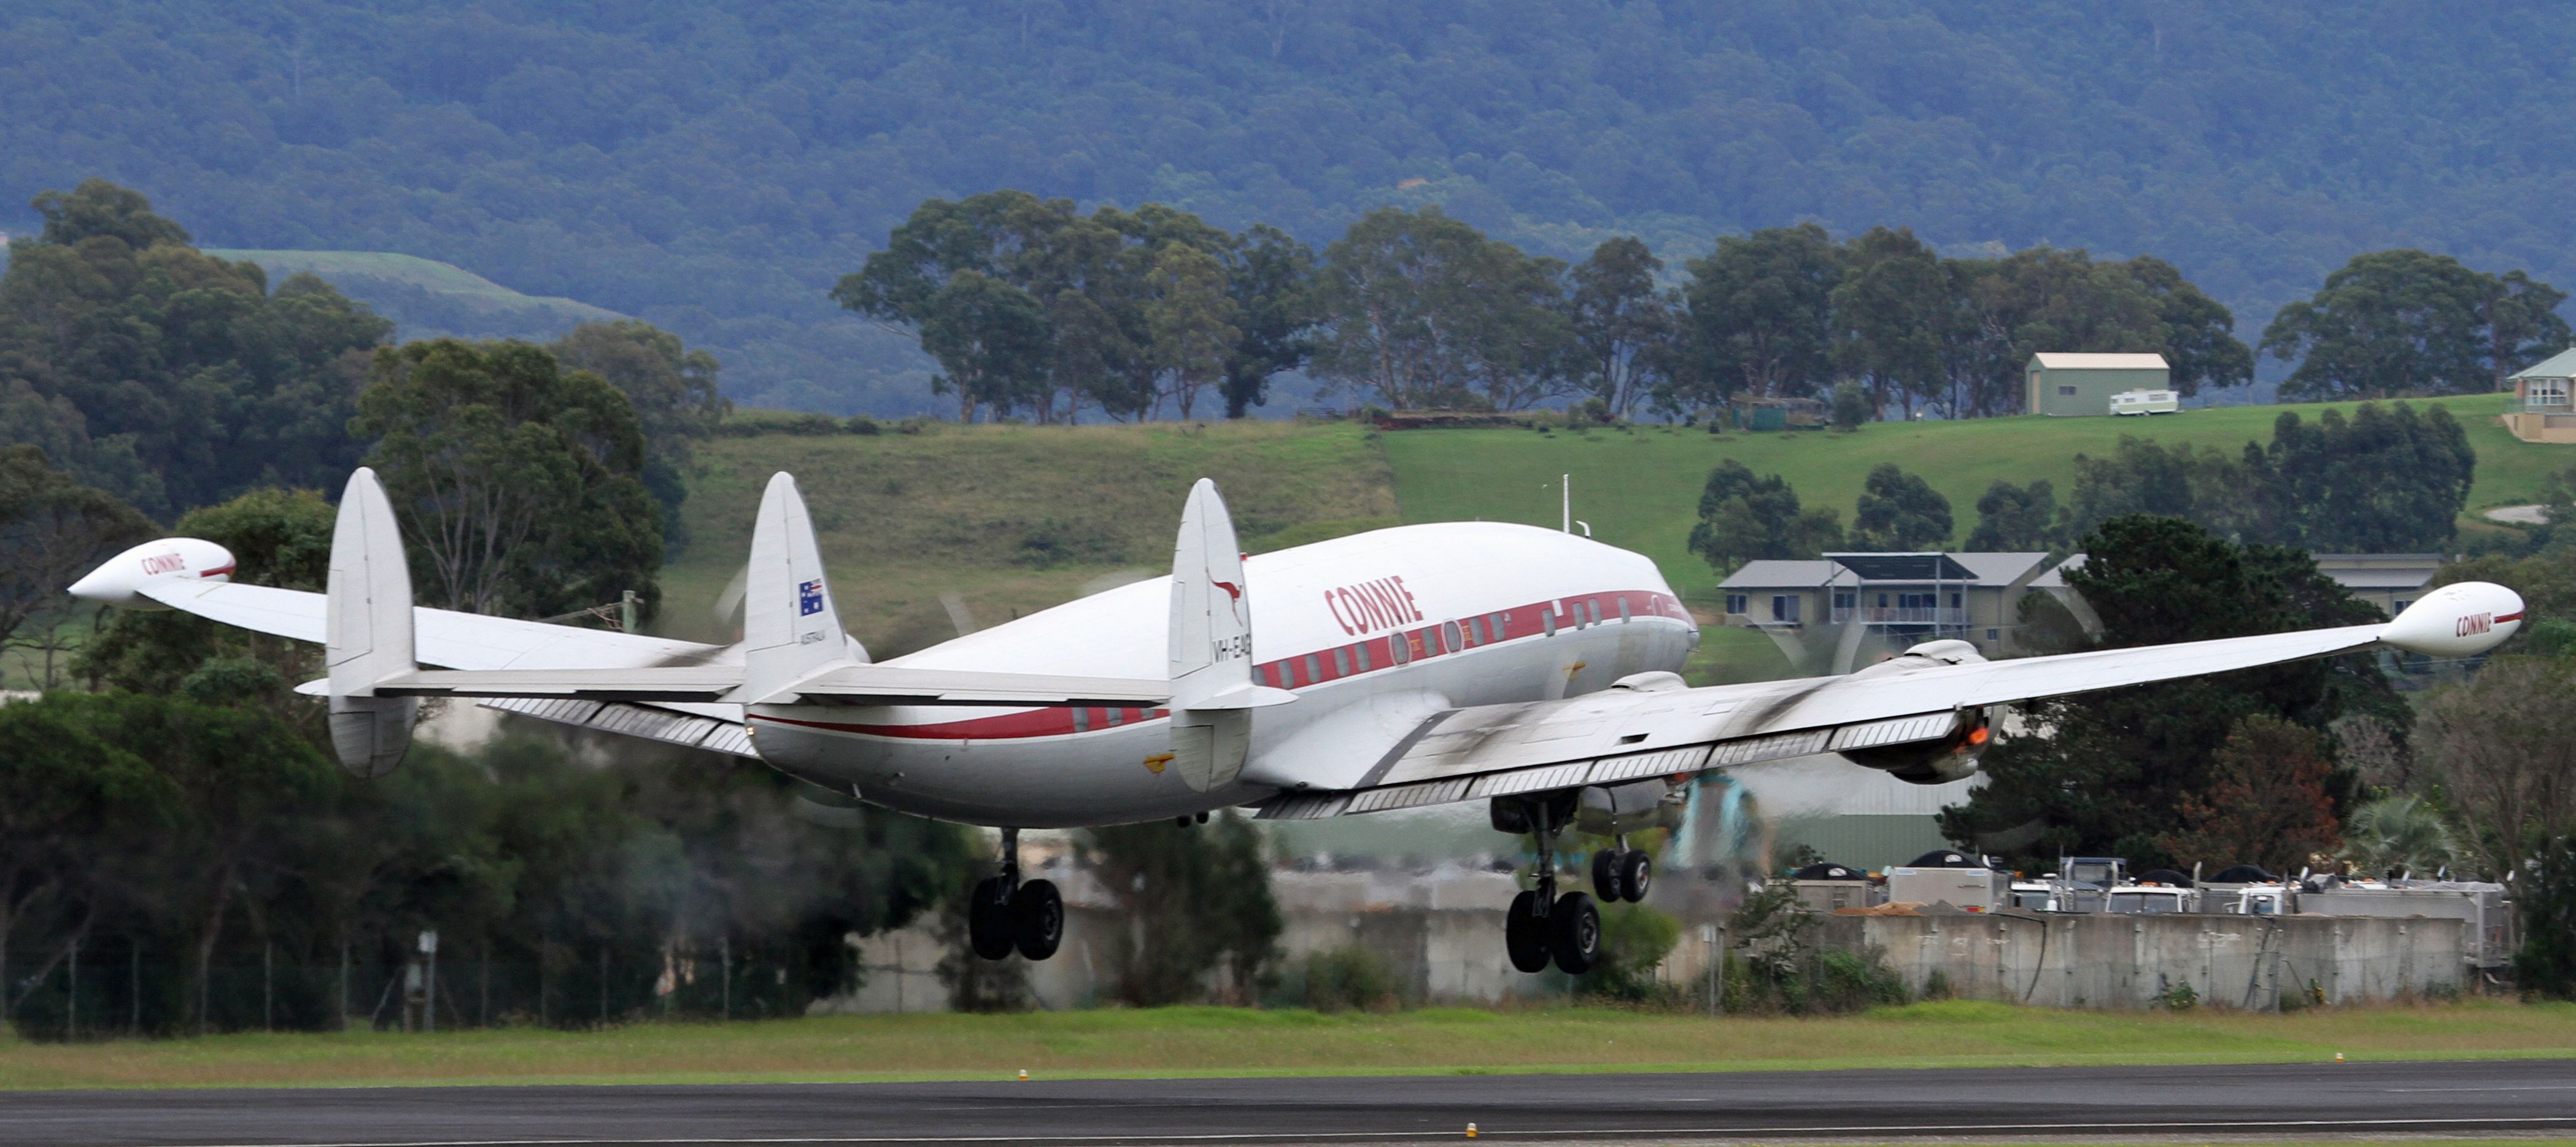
429, 983
71, 999
1565, 486
728, 975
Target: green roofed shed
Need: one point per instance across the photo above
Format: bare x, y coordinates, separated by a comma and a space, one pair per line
2070, 385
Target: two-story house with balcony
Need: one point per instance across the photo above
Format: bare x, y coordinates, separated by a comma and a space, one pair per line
1896, 599
2539, 409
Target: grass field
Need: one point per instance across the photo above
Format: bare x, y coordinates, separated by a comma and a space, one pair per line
1013, 519
1219, 1041
1639, 487
429, 298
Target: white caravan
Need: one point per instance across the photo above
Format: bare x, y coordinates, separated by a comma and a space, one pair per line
1529, 669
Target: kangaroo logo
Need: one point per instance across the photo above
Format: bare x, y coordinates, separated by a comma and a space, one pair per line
1234, 598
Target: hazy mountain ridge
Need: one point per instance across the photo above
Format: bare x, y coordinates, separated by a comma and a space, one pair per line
712, 168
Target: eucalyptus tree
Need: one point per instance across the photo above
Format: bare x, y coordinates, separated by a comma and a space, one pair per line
519, 485
1624, 323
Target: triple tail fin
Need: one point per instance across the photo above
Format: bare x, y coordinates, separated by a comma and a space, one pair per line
1211, 647
790, 628
368, 630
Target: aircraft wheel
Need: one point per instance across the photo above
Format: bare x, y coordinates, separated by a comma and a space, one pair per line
1525, 933
1037, 919
1605, 874
1636, 872
988, 919
1574, 931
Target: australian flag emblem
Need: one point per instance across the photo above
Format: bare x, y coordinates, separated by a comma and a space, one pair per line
809, 598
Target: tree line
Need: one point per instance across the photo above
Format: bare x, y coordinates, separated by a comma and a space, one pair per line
705, 177
2385, 479
1033, 309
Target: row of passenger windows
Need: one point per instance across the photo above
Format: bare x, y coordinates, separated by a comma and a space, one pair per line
1085, 720
1449, 636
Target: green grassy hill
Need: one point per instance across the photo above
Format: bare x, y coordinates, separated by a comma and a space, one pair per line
429, 299
1639, 487
1011, 519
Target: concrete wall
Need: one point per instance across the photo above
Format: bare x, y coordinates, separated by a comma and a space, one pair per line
2120, 961
1441, 934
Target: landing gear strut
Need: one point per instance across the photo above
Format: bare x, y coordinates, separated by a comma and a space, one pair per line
1542, 924
1008, 914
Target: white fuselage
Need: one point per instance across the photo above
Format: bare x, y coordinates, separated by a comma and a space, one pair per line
1374, 633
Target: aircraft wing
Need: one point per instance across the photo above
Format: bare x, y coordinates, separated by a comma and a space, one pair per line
1624, 735
445, 636
497, 657
843, 685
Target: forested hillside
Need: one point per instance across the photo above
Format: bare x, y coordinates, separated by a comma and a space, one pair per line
713, 168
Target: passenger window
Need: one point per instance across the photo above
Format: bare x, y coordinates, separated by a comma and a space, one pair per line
1595, 603
1342, 661
1115, 715
1501, 624
1399, 646
1451, 637
1623, 609
1476, 630
1081, 720
1547, 621
1314, 670
1362, 649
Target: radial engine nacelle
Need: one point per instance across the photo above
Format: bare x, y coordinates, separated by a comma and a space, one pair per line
1940, 760
119, 580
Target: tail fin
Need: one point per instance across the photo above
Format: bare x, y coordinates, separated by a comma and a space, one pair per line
790, 628
1211, 647
368, 630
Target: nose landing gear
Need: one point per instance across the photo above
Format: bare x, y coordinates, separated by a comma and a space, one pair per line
1541, 924
1008, 914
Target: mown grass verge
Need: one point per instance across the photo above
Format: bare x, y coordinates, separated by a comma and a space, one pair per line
1219, 1042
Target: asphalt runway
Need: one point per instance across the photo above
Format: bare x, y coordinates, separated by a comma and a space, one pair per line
2493, 1098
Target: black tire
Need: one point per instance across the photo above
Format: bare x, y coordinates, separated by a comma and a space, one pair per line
1574, 932
1525, 933
988, 919
1037, 919
1636, 874
1605, 874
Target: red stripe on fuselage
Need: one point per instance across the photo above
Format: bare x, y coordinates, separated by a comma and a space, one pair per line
1286, 672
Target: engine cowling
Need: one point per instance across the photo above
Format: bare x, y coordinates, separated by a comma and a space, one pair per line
1939, 760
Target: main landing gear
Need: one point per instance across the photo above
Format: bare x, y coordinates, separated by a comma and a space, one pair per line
1622, 873
1009, 914
1542, 924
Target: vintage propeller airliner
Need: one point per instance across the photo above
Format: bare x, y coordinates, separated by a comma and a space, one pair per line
1420, 665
